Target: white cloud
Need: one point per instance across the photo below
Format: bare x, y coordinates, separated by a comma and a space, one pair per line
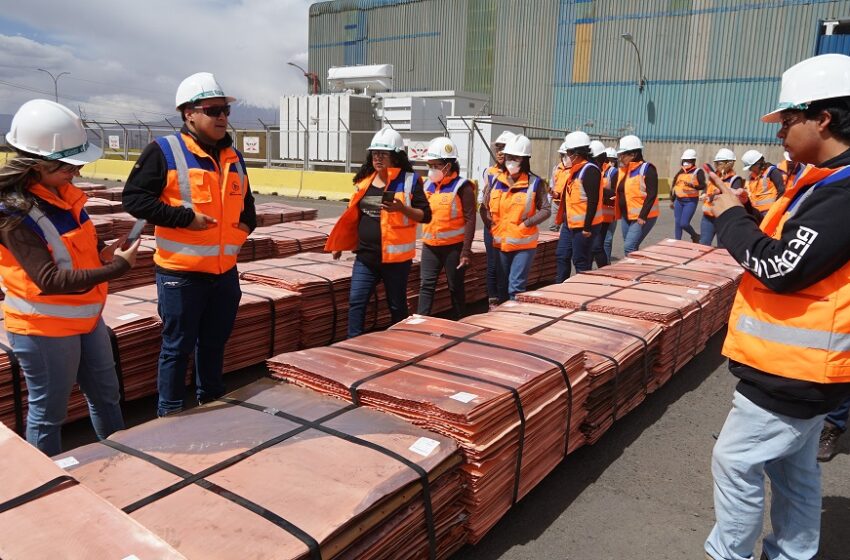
127, 58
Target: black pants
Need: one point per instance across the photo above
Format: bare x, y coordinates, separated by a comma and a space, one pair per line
600, 257
434, 259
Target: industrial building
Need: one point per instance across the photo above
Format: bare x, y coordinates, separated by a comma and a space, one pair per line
674, 72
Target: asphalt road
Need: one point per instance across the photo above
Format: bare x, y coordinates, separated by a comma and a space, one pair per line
644, 491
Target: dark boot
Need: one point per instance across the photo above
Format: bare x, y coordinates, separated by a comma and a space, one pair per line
828, 442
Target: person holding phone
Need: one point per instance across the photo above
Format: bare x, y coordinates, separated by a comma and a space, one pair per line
447, 238
193, 186
789, 325
379, 225
724, 168
55, 274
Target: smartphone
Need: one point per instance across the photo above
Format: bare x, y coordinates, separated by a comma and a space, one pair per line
708, 168
135, 233
388, 197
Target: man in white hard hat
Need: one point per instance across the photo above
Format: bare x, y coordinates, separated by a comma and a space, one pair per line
688, 183
193, 186
497, 287
766, 182
789, 325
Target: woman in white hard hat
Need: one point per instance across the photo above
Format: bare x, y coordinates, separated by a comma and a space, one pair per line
609, 178
637, 193
55, 274
724, 166
497, 288
688, 182
515, 206
766, 182
447, 238
789, 326
790, 169
580, 211
379, 225
558, 182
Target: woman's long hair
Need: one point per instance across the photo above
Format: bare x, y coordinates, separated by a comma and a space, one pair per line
399, 159
15, 179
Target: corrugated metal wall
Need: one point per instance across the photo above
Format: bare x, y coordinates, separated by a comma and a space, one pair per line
711, 65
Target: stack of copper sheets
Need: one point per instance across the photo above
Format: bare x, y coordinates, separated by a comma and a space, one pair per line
123, 222
87, 186
270, 213
44, 513
619, 353
13, 388
474, 285
110, 193
544, 267
679, 316
514, 404
143, 272
257, 246
275, 471
103, 227
293, 238
96, 205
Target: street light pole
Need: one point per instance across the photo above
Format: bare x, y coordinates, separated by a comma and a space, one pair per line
55, 81
313, 84
629, 39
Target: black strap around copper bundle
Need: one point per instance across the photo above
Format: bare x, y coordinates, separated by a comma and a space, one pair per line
17, 393
53, 485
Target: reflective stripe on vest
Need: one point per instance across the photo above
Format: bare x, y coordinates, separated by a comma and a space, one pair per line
396, 249
58, 250
182, 170
687, 188
794, 336
454, 212
195, 250
529, 199
86, 311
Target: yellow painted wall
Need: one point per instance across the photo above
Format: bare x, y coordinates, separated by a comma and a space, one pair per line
286, 182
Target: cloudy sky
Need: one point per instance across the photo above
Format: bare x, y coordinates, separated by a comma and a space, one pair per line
126, 58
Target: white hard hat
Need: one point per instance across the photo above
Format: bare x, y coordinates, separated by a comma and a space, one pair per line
786, 155
562, 149
611, 153
725, 154
387, 139
629, 143
519, 145
52, 131
750, 158
441, 148
821, 77
196, 87
689, 154
597, 148
577, 139
505, 137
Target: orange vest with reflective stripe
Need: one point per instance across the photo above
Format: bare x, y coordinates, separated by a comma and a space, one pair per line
634, 188
762, 191
510, 207
803, 335
575, 203
687, 184
609, 173
711, 191
71, 238
447, 225
196, 181
398, 232
560, 176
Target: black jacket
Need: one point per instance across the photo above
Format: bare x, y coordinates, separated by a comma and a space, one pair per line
824, 212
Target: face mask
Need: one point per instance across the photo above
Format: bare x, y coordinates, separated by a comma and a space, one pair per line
435, 175
566, 160
687, 165
512, 167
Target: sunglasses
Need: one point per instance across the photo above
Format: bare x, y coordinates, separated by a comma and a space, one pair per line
215, 111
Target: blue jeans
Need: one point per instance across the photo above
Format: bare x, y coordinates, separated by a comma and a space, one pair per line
364, 279
600, 257
683, 213
755, 441
51, 365
707, 231
197, 316
576, 248
608, 244
497, 288
517, 264
634, 233
838, 417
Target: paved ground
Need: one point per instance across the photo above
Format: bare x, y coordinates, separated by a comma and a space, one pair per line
642, 492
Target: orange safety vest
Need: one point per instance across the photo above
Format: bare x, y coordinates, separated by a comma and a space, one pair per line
510, 207
560, 176
72, 241
398, 232
790, 177
687, 184
196, 181
803, 335
711, 191
609, 173
447, 225
762, 191
575, 203
634, 186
